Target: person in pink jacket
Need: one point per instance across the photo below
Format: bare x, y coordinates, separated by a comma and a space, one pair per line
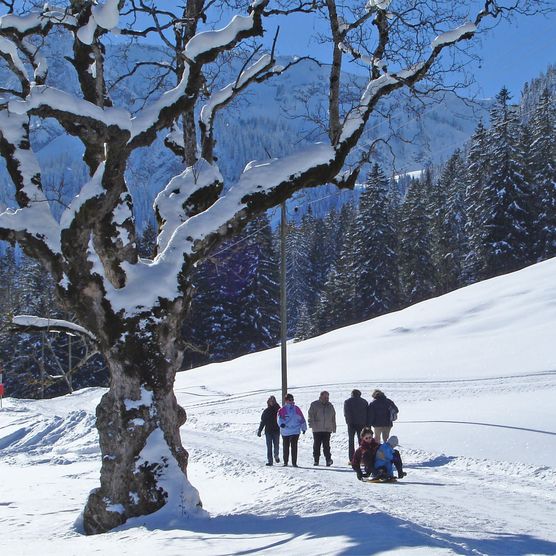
292, 423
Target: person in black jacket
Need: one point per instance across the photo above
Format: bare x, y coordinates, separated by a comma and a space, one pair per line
269, 423
379, 415
355, 412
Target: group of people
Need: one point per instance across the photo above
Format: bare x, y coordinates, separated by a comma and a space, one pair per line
369, 422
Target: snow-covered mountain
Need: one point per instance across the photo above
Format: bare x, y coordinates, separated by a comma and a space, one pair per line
473, 373
254, 127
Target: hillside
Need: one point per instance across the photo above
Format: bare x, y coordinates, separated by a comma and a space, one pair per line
272, 113
474, 375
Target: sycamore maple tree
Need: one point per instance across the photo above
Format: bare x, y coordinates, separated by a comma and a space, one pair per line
133, 307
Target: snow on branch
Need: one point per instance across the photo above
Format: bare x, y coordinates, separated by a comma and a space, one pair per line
356, 119
206, 41
8, 50
260, 180
224, 95
174, 203
91, 190
54, 325
35, 21
104, 15
450, 37
34, 217
378, 4
61, 102
200, 49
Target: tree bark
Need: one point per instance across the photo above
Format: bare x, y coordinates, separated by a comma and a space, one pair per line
144, 464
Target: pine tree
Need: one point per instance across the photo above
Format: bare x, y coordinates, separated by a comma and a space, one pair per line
477, 176
236, 302
259, 294
543, 170
336, 302
375, 266
448, 217
297, 268
417, 273
147, 241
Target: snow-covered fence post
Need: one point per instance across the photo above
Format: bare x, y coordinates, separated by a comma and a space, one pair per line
134, 307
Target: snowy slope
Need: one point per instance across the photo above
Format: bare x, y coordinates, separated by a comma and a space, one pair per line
474, 375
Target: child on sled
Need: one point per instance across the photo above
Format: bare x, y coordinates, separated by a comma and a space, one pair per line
386, 458
377, 461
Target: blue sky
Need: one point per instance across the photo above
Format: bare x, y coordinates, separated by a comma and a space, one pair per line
512, 53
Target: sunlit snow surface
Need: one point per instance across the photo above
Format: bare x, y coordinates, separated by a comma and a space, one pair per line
474, 376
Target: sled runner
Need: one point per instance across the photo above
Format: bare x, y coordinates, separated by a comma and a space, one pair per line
380, 480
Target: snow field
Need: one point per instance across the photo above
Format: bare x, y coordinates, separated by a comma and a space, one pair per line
477, 429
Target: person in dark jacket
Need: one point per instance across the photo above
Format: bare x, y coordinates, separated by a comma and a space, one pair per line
355, 413
269, 423
363, 461
379, 415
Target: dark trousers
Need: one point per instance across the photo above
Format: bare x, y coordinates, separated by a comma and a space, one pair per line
353, 431
272, 441
321, 438
288, 441
397, 461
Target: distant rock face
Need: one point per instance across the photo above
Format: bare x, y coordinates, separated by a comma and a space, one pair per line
267, 120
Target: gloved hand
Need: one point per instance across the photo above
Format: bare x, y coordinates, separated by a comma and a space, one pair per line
303, 432
283, 425
259, 434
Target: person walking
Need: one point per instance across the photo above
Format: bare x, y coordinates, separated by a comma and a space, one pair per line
380, 415
355, 413
292, 423
271, 429
322, 420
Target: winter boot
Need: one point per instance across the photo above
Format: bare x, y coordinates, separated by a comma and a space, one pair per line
329, 462
316, 462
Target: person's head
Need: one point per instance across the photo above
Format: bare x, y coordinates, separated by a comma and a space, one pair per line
378, 394
393, 441
356, 393
366, 434
324, 396
271, 401
289, 398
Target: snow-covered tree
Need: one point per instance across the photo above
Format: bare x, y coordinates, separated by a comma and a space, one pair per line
336, 304
375, 271
133, 306
542, 170
506, 198
448, 233
477, 176
417, 273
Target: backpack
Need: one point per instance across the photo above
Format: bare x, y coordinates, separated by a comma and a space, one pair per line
393, 413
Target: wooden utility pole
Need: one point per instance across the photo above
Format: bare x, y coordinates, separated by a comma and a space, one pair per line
283, 309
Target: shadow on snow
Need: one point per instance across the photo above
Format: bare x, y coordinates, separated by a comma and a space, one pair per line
363, 534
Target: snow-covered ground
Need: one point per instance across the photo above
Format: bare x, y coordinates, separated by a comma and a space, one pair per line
474, 376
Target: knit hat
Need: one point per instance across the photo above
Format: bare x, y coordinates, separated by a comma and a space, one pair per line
393, 441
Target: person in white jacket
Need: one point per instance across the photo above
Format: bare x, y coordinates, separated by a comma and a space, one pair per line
322, 421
